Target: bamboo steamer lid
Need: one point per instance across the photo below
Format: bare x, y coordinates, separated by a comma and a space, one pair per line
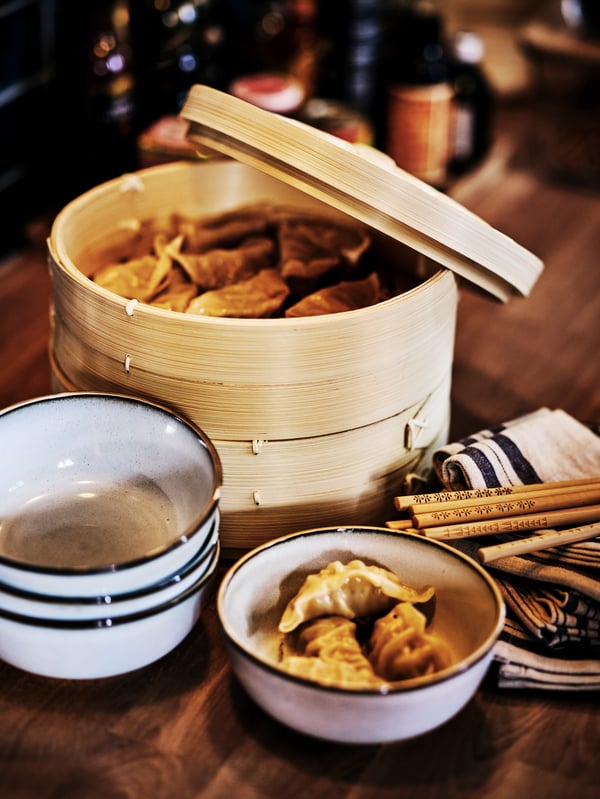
366, 185
316, 420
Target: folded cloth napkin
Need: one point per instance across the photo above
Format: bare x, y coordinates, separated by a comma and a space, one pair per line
555, 616
551, 639
543, 446
524, 663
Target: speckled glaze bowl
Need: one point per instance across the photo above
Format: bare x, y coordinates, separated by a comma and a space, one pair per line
93, 648
109, 606
101, 494
469, 615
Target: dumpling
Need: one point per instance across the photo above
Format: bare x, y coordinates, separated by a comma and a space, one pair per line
312, 246
345, 296
140, 278
217, 268
400, 649
351, 590
226, 229
257, 297
329, 653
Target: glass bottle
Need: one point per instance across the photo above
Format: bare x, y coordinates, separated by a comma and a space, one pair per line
177, 43
419, 93
472, 105
349, 43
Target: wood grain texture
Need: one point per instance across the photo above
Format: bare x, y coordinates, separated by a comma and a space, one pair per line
183, 727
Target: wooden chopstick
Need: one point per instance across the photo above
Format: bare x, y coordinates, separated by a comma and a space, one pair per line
515, 524
538, 542
449, 499
399, 524
524, 502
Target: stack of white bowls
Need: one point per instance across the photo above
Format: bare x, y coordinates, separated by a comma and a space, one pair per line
109, 533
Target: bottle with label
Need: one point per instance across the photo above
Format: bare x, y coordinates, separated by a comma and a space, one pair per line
473, 103
419, 94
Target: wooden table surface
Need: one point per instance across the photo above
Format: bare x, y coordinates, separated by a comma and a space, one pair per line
183, 727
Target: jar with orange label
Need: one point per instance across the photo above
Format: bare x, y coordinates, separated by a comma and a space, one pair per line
419, 93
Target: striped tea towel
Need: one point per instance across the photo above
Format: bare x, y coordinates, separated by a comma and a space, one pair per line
542, 446
551, 636
557, 617
525, 663
551, 639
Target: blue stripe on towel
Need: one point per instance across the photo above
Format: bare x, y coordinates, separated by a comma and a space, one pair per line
484, 465
522, 467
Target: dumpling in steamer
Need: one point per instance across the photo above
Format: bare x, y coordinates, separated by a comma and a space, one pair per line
257, 297
223, 267
140, 278
348, 295
311, 246
351, 590
226, 229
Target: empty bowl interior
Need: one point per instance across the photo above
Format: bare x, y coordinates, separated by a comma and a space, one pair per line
88, 481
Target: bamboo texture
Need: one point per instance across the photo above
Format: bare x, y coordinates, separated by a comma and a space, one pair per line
515, 524
365, 184
309, 416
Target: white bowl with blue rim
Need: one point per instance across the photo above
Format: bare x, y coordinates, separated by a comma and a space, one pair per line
87, 649
102, 494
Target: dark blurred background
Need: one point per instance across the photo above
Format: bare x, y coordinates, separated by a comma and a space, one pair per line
82, 82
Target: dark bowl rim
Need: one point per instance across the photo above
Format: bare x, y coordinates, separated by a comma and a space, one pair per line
109, 599
107, 622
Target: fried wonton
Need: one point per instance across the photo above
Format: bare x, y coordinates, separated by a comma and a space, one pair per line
177, 293
140, 278
311, 247
280, 256
345, 296
258, 297
226, 229
216, 268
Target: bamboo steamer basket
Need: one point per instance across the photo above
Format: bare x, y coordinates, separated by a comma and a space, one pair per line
317, 420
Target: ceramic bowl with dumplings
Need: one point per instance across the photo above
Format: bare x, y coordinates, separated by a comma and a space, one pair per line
355, 577
102, 494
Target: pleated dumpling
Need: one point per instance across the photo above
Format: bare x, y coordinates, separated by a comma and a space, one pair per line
400, 649
329, 653
352, 590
